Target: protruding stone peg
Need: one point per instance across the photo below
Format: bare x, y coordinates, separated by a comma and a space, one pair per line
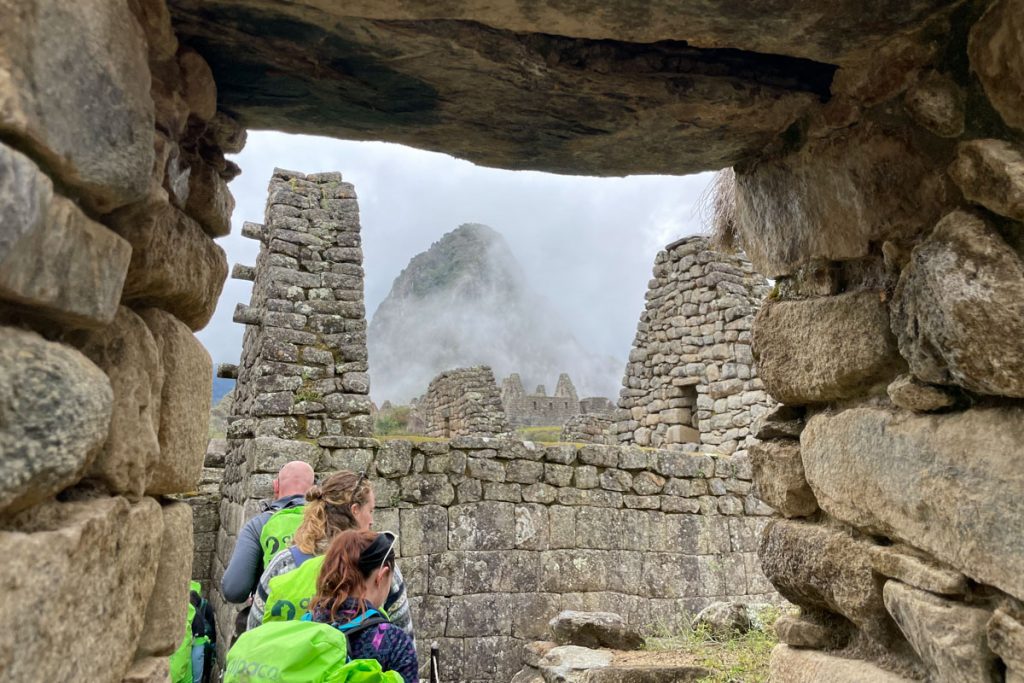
253, 231
242, 272
227, 371
247, 315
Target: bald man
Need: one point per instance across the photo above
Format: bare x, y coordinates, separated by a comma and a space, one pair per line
267, 533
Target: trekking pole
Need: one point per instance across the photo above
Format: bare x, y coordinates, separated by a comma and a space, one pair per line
435, 669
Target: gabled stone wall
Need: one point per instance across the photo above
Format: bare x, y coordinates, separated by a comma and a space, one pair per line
462, 402
538, 409
691, 377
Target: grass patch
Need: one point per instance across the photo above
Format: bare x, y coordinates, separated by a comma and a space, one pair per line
740, 658
541, 434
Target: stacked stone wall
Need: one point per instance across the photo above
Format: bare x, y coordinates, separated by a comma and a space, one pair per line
538, 409
303, 368
205, 504
462, 402
113, 188
589, 429
895, 343
691, 377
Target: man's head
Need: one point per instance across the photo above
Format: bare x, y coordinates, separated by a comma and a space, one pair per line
295, 478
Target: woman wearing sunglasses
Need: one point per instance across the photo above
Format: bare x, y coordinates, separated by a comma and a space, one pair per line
345, 501
354, 583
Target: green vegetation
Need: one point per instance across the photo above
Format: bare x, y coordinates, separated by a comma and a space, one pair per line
392, 421
740, 658
540, 434
307, 394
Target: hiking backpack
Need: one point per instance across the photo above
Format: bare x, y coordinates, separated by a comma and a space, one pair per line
278, 531
289, 594
192, 662
304, 651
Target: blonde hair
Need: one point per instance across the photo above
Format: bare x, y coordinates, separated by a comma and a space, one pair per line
328, 510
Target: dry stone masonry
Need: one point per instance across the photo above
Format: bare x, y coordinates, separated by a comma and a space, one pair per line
877, 179
496, 535
113, 186
691, 377
462, 402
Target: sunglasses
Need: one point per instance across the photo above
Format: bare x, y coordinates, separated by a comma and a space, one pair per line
392, 538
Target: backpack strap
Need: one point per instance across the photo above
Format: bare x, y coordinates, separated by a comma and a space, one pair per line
298, 557
367, 621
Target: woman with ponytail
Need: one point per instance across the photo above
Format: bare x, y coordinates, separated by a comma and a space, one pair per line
345, 501
354, 583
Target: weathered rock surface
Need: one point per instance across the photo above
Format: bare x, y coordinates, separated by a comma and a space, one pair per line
802, 632
209, 200
779, 477
168, 604
996, 48
52, 257
149, 670
962, 285
826, 349
662, 64
59, 624
595, 629
175, 265
911, 568
822, 568
794, 665
907, 392
929, 481
572, 662
126, 351
76, 92
937, 103
54, 414
846, 182
1006, 638
184, 404
949, 637
991, 173
724, 618
781, 422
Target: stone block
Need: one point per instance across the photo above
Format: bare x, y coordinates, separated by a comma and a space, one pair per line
531, 527
482, 571
483, 614
912, 394
948, 636
927, 480
52, 553
585, 477
595, 630
149, 670
991, 173
184, 404
394, 458
168, 603
562, 526
1006, 638
821, 568
486, 525
675, 464
681, 434
271, 453
77, 93
997, 58
485, 469
564, 571
52, 257
175, 265
428, 489
963, 284
524, 471
798, 631
558, 475
671, 575
532, 613
56, 406
599, 456
209, 199
779, 475
797, 665
937, 103
424, 530
539, 493
127, 352
491, 658
825, 349
912, 568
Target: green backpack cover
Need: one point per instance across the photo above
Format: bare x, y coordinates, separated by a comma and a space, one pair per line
300, 652
289, 594
278, 531
181, 660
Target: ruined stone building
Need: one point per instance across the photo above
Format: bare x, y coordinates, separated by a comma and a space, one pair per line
691, 377
541, 410
461, 402
877, 155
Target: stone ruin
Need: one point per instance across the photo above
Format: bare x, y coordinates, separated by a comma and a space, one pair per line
877, 180
538, 409
588, 428
691, 377
461, 402
496, 535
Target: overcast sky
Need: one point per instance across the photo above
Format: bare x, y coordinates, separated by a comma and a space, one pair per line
588, 242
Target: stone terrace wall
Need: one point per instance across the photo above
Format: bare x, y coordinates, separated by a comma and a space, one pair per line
205, 504
302, 373
496, 536
691, 376
462, 402
113, 187
589, 429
